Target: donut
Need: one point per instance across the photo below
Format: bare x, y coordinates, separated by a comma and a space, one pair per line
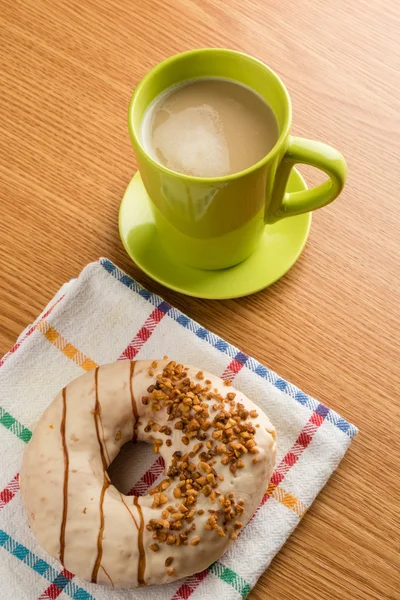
219, 452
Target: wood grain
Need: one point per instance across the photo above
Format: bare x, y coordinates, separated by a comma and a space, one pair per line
331, 325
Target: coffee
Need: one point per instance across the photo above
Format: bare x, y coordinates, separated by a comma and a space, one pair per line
209, 128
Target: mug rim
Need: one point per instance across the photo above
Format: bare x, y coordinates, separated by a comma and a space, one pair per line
223, 178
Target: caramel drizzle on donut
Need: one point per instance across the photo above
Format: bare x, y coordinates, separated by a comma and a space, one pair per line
142, 555
66, 471
133, 402
97, 419
96, 567
129, 510
106, 480
111, 581
104, 440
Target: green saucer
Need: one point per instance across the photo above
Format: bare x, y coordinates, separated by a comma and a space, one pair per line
279, 249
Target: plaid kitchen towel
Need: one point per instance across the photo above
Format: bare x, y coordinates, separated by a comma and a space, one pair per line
104, 316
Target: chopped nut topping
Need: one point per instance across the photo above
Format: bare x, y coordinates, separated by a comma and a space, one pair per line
171, 539
195, 541
177, 516
171, 572
205, 467
225, 437
118, 435
156, 446
156, 501
154, 547
166, 430
169, 561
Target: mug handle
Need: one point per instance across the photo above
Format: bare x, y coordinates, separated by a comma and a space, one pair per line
319, 155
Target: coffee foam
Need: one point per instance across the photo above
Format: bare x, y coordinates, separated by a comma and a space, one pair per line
192, 142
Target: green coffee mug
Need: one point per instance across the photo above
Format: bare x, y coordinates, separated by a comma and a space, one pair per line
217, 222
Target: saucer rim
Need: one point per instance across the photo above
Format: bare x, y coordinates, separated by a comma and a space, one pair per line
217, 296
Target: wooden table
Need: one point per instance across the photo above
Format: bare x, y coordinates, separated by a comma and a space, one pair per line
331, 325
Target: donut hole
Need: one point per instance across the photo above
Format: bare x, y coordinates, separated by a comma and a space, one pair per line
129, 467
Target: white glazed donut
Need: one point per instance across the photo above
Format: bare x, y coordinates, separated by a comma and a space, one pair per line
219, 452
